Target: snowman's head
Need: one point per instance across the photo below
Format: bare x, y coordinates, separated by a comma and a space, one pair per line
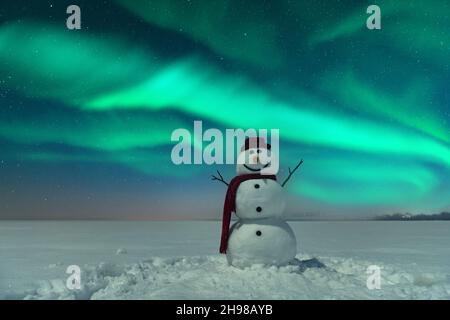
255, 157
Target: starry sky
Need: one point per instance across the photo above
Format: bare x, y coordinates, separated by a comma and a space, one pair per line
86, 115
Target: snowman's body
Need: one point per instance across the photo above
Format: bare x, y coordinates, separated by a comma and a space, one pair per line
260, 198
261, 241
260, 236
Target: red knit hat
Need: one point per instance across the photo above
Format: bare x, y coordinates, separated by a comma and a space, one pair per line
255, 142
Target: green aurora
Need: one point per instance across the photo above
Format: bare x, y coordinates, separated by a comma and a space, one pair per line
368, 111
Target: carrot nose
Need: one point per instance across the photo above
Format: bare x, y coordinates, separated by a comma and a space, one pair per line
256, 159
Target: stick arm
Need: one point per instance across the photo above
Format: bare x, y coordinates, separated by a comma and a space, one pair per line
220, 178
291, 173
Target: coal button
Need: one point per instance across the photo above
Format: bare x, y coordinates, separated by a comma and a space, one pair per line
256, 186
258, 233
259, 209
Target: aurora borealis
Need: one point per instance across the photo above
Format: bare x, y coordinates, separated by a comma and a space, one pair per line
86, 115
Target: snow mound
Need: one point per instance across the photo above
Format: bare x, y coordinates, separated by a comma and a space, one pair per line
210, 277
121, 251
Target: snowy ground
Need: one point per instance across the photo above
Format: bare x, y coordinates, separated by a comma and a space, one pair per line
179, 260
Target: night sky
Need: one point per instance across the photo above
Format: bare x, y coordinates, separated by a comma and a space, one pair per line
86, 115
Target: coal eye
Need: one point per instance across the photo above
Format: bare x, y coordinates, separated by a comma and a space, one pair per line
259, 151
252, 151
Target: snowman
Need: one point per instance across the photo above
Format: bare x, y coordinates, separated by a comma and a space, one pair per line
260, 236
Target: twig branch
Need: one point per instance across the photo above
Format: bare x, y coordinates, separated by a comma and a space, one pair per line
291, 173
221, 179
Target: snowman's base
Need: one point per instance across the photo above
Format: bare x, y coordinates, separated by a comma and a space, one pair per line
261, 241
246, 263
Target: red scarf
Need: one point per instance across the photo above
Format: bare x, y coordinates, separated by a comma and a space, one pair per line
230, 203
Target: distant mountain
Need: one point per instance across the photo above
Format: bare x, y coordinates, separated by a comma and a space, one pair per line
418, 217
